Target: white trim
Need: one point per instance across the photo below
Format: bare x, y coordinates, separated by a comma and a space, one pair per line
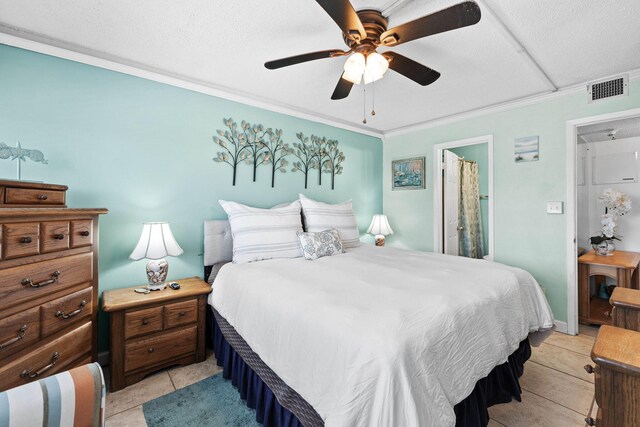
437, 192
97, 59
561, 327
572, 254
503, 106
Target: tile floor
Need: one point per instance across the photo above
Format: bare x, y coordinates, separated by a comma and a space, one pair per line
556, 389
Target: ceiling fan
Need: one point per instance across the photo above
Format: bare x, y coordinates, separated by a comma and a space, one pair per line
366, 30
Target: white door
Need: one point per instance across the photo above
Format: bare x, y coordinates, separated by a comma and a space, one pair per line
451, 193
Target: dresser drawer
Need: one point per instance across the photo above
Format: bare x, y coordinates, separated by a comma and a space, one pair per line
29, 196
20, 239
81, 233
141, 322
19, 331
63, 312
146, 352
180, 313
54, 236
39, 279
48, 359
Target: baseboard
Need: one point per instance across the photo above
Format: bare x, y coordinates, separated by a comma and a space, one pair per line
103, 358
561, 326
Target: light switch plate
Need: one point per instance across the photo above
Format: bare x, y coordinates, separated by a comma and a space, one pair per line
555, 207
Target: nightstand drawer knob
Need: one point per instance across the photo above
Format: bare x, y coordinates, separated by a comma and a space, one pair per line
589, 369
151, 350
84, 233
145, 321
181, 314
590, 421
42, 197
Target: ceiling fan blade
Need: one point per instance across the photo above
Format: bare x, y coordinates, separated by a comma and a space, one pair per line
342, 89
458, 16
343, 13
411, 69
297, 59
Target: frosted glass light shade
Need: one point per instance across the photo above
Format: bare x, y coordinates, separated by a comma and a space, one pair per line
156, 242
380, 226
354, 67
375, 68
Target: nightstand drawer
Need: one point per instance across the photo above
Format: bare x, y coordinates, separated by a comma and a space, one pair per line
180, 313
28, 196
63, 312
146, 352
19, 331
26, 282
20, 239
48, 359
142, 322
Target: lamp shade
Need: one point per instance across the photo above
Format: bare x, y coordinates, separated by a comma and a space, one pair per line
380, 226
354, 67
156, 242
376, 66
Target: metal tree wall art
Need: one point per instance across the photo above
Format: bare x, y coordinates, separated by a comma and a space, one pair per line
333, 161
320, 154
254, 136
234, 146
21, 154
303, 150
275, 151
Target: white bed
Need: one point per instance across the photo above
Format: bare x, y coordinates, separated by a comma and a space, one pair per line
381, 336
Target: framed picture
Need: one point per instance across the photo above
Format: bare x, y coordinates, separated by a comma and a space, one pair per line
408, 174
526, 149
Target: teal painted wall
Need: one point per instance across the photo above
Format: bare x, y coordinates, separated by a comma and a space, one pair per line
480, 153
144, 150
525, 235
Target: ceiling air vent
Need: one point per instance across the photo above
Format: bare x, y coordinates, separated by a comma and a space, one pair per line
603, 89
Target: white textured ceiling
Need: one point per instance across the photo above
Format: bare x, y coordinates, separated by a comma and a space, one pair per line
621, 129
225, 43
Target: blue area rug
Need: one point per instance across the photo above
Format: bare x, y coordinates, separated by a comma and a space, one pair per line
211, 402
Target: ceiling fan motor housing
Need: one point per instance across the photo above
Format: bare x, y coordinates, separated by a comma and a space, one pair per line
374, 24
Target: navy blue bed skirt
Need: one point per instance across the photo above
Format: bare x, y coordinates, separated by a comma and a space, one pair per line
500, 386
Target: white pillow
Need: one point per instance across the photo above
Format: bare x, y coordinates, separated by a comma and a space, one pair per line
320, 216
264, 233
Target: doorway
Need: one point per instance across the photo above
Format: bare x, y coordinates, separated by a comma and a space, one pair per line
591, 144
446, 227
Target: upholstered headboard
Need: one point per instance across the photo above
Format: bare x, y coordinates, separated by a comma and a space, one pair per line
218, 244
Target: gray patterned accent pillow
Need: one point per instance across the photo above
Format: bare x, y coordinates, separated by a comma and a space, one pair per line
320, 244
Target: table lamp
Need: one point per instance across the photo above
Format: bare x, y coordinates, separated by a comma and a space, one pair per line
156, 242
379, 228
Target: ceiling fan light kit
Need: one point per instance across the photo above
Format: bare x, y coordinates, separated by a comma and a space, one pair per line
366, 30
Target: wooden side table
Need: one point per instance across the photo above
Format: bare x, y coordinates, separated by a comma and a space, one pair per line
626, 308
155, 330
621, 266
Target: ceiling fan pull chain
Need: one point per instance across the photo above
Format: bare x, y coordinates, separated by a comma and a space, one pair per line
373, 97
364, 103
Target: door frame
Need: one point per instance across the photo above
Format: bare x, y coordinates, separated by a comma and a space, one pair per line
437, 192
572, 214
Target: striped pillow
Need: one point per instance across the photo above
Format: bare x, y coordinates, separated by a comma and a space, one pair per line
320, 216
264, 233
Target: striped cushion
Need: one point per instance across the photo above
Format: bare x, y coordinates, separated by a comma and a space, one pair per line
264, 233
70, 398
320, 216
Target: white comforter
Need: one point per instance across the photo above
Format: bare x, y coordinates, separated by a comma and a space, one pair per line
381, 336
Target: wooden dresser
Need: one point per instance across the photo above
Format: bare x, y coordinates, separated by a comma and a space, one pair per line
48, 285
155, 330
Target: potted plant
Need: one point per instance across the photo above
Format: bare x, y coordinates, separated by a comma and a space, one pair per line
616, 204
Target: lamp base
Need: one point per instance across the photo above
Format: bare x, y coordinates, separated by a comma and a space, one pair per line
379, 240
157, 270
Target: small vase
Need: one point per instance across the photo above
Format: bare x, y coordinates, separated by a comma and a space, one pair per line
604, 248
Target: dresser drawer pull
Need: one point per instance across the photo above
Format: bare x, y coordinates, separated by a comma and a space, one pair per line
73, 313
151, 350
58, 236
42, 197
145, 321
30, 374
590, 421
21, 333
589, 369
181, 314
26, 240
55, 275
85, 233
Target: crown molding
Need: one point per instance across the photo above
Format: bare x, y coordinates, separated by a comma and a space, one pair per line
41, 44
503, 106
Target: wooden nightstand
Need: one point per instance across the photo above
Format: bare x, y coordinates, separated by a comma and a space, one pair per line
155, 330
